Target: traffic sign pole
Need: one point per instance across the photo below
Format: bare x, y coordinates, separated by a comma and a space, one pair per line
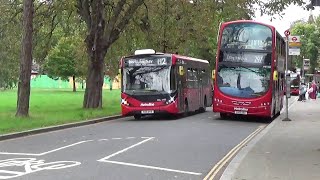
287, 78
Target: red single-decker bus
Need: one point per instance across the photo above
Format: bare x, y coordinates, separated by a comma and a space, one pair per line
156, 83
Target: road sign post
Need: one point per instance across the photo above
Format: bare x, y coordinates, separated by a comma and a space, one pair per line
287, 78
305, 67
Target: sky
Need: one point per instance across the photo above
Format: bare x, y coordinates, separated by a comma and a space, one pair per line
292, 13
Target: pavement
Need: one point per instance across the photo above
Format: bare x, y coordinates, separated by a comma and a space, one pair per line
285, 150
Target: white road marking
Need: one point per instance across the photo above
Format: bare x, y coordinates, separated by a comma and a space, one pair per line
126, 149
64, 147
30, 165
116, 138
146, 137
130, 137
44, 153
103, 140
152, 167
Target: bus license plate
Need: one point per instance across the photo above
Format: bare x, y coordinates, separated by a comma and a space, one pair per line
147, 112
241, 112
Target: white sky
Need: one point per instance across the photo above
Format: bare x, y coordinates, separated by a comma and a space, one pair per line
292, 13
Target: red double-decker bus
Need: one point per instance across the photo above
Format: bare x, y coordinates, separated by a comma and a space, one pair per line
250, 67
155, 83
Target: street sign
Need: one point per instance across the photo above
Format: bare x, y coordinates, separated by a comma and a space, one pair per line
287, 33
294, 51
294, 41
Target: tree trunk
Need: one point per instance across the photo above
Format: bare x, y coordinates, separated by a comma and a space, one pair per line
97, 48
26, 61
94, 83
74, 83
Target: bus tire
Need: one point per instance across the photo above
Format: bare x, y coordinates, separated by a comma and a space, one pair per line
186, 108
223, 115
203, 109
137, 116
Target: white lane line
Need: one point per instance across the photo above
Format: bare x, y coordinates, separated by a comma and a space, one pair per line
44, 153
130, 137
64, 147
146, 137
126, 149
152, 167
103, 140
116, 138
20, 154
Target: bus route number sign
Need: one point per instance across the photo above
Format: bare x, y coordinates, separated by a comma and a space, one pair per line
162, 61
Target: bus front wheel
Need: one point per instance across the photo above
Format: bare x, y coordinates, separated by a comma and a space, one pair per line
223, 115
137, 116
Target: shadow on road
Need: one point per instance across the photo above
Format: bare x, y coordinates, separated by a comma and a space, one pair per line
248, 119
164, 117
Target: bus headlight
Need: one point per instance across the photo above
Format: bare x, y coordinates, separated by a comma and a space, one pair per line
171, 100
125, 102
265, 104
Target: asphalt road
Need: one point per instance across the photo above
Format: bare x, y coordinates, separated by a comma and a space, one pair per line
150, 149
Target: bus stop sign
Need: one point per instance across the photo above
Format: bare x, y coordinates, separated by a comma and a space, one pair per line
287, 33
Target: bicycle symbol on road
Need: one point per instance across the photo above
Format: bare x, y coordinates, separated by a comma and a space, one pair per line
30, 165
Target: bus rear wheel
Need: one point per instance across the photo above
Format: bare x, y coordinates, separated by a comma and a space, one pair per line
203, 109
186, 108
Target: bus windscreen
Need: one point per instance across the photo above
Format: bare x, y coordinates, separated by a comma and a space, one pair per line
245, 82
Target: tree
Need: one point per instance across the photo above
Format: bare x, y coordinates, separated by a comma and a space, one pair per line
26, 60
105, 21
10, 45
310, 34
62, 60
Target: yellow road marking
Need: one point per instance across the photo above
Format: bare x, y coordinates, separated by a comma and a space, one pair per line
227, 157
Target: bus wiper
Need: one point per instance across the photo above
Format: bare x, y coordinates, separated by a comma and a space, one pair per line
248, 69
154, 90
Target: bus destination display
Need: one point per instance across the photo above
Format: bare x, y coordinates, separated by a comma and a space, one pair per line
147, 61
246, 57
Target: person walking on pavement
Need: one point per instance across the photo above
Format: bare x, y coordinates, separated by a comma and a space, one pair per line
302, 92
313, 91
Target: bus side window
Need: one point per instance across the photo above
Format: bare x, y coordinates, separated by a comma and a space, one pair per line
173, 84
195, 78
189, 78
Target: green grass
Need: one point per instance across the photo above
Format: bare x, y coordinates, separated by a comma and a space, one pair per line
52, 107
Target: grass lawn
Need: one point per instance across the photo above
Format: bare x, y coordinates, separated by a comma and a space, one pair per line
52, 107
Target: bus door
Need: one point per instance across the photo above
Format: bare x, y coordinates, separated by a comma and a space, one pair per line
200, 84
181, 84
276, 95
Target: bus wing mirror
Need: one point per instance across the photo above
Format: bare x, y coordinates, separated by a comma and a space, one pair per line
275, 75
120, 72
181, 71
213, 74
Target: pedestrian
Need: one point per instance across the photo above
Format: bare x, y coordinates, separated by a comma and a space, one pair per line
302, 92
313, 90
